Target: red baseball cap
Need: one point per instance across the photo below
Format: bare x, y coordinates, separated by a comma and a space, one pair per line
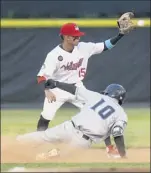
71, 29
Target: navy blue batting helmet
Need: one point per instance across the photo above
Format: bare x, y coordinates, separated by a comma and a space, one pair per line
115, 91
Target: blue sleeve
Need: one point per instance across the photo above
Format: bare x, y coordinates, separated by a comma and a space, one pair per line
108, 44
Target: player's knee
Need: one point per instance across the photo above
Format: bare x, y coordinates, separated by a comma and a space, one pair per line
48, 115
44, 117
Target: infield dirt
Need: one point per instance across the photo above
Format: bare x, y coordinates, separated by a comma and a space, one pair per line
14, 152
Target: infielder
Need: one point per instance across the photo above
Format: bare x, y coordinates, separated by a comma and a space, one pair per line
68, 63
100, 117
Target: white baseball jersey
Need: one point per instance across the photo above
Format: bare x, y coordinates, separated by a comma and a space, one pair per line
63, 66
99, 115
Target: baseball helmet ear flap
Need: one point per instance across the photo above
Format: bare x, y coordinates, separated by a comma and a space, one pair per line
122, 98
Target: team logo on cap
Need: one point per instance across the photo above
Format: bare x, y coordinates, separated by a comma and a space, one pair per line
60, 58
76, 28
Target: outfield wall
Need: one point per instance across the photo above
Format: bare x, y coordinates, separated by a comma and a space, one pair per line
72, 8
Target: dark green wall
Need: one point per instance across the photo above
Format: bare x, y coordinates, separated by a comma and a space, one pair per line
73, 8
24, 50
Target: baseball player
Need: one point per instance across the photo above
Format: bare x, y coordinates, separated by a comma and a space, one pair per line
100, 117
68, 63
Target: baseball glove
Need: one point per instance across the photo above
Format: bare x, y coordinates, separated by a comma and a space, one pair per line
125, 23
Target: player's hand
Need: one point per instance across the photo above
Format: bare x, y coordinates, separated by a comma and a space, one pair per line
112, 152
50, 96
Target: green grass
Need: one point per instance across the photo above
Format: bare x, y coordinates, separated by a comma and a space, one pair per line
137, 134
77, 165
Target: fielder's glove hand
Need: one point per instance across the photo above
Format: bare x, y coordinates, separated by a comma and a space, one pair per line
50, 84
125, 23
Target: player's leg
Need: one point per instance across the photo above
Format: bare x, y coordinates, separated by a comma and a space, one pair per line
79, 140
71, 138
67, 133
36, 137
73, 142
48, 113
49, 109
59, 133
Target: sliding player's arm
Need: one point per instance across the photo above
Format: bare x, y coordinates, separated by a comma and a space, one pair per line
71, 88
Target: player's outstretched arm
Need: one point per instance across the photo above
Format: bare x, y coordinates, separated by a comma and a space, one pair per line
71, 88
119, 141
117, 132
110, 43
111, 150
50, 84
107, 141
125, 25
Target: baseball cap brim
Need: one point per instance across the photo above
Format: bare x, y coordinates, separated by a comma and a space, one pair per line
78, 34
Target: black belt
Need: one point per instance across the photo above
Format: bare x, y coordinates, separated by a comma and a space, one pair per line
84, 136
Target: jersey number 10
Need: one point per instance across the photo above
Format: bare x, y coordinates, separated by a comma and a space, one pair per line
105, 111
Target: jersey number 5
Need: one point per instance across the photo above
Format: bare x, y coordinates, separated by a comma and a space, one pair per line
82, 72
105, 111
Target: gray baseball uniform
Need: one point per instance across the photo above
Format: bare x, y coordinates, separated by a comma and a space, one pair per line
93, 123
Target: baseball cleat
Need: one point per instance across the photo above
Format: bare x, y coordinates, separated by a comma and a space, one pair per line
48, 155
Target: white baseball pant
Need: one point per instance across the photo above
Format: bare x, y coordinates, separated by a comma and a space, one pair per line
49, 109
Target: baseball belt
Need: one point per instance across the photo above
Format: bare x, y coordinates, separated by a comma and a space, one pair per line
78, 128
